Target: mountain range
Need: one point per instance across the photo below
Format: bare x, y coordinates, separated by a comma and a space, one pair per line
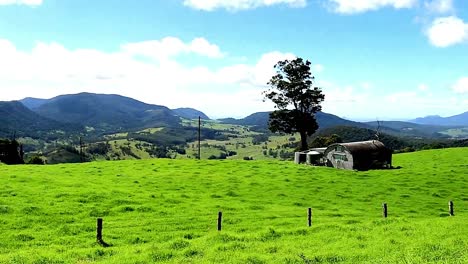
260, 120
456, 120
102, 113
397, 128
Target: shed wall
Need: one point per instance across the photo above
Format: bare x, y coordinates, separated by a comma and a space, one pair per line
340, 159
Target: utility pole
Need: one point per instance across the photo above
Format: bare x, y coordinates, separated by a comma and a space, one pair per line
81, 150
199, 137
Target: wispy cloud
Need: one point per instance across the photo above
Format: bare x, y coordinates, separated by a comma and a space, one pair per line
236, 5
21, 2
439, 6
171, 46
361, 6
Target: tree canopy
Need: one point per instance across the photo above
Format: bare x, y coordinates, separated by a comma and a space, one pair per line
296, 98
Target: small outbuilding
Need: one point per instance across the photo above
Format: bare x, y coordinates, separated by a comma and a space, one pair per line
362, 155
311, 157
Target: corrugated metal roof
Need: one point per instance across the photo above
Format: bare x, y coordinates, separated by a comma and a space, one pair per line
362, 146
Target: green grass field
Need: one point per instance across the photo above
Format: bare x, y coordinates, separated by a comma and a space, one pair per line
166, 211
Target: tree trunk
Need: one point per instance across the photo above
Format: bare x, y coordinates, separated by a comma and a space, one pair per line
303, 141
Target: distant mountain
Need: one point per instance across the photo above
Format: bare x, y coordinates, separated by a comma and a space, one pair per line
33, 103
107, 113
456, 120
16, 118
190, 113
399, 128
260, 119
328, 120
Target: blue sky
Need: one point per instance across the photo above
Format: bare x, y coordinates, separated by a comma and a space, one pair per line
374, 59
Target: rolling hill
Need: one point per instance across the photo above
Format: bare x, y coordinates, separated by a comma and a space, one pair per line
190, 113
33, 103
260, 119
16, 118
107, 113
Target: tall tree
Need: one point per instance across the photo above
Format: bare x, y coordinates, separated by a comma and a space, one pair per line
296, 99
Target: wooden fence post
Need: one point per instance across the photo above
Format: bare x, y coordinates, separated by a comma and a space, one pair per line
384, 210
99, 233
220, 218
309, 216
450, 204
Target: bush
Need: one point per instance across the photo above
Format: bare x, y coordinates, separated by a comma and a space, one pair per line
36, 160
99, 149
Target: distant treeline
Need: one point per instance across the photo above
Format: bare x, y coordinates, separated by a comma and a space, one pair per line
339, 134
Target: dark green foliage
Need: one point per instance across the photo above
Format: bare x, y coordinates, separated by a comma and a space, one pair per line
293, 86
286, 155
36, 160
258, 139
176, 136
159, 152
325, 141
98, 148
11, 152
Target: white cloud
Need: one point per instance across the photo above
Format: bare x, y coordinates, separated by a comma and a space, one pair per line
461, 86
360, 6
21, 2
439, 6
356, 102
235, 5
149, 71
447, 31
171, 46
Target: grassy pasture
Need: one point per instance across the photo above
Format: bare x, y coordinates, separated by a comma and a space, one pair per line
166, 211
242, 145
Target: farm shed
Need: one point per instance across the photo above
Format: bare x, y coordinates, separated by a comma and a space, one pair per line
362, 155
312, 157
